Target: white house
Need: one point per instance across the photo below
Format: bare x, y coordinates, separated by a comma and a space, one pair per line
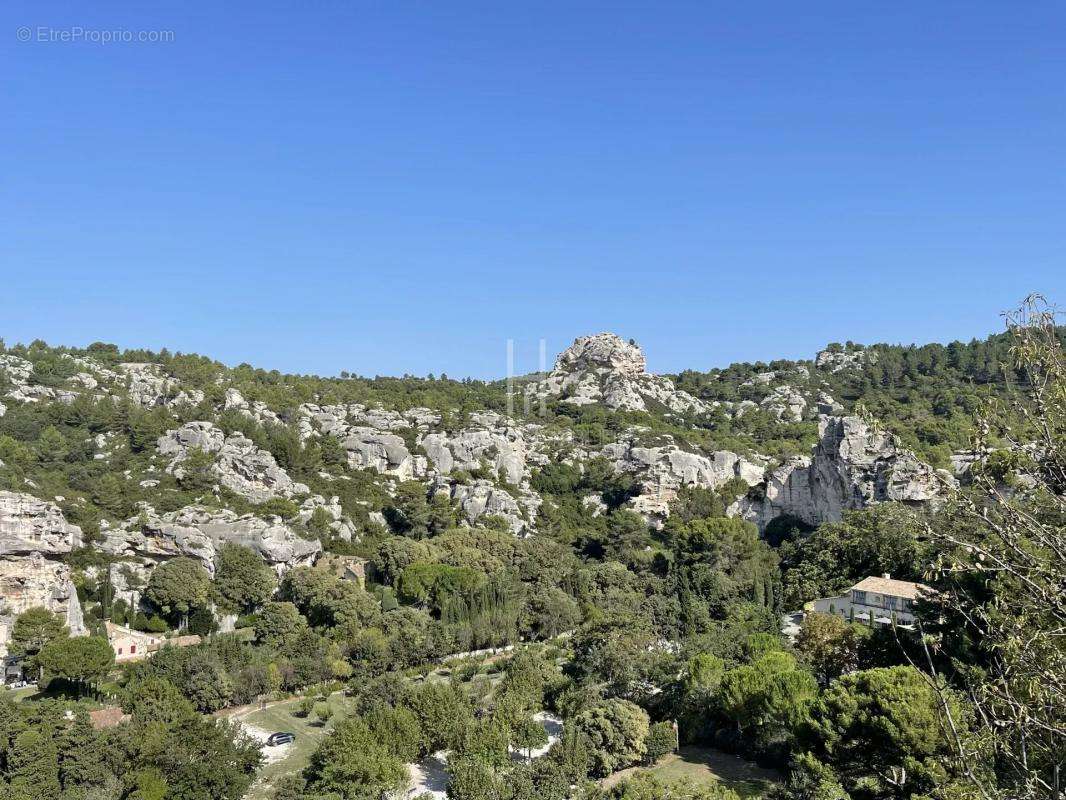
887, 599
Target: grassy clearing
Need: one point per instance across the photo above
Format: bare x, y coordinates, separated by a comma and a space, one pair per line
706, 765
281, 717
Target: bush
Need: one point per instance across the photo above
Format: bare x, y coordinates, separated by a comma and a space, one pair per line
305, 707
323, 711
661, 740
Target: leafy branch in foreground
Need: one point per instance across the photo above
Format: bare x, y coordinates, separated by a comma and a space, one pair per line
1001, 575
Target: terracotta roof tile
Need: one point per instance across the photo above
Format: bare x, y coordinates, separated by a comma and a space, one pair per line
891, 587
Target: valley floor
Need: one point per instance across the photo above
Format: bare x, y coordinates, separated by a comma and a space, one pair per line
704, 765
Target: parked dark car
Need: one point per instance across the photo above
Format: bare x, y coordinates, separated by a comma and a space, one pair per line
280, 738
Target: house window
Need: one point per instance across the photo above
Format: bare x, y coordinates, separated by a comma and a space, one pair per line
858, 596
133, 649
120, 651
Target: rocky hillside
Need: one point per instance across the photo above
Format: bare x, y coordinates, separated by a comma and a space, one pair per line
111, 463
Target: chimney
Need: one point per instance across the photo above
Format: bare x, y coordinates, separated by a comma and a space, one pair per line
886, 575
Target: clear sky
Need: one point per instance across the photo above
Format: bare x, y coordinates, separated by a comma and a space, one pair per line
396, 187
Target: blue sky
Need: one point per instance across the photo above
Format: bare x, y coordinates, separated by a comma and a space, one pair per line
401, 187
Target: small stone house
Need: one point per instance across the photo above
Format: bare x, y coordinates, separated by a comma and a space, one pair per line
131, 645
889, 601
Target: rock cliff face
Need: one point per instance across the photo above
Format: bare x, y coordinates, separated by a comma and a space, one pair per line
487, 440
852, 466
29, 525
32, 534
239, 464
197, 532
606, 369
662, 471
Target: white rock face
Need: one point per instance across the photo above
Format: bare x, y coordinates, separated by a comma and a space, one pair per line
606, 369
849, 359
18, 372
382, 452
33, 531
255, 410
29, 525
241, 466
34, 581
149, 386
603, 352
481, 497
786, 403
852, 466
491, 439
197, 532
369, 435
665, 470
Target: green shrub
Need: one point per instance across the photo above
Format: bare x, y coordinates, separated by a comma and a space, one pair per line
661, 740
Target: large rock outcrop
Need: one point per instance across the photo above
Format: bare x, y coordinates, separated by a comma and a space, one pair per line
33, 533
240, 465
149, 386
607, 369
197, 532
29, 525
852, 466
664, 470
839, 360
480, 498
19, 372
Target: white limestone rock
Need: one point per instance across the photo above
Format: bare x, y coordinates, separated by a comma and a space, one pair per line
197, 532
786, 403
255, 410
29, 525
32, 581
33, 533
831, 361
606, 369
149, 386
481, 497
240, 465
387, 453
852, 466
664, 470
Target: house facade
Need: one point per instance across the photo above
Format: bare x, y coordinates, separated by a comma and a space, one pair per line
887, 600
131, 645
